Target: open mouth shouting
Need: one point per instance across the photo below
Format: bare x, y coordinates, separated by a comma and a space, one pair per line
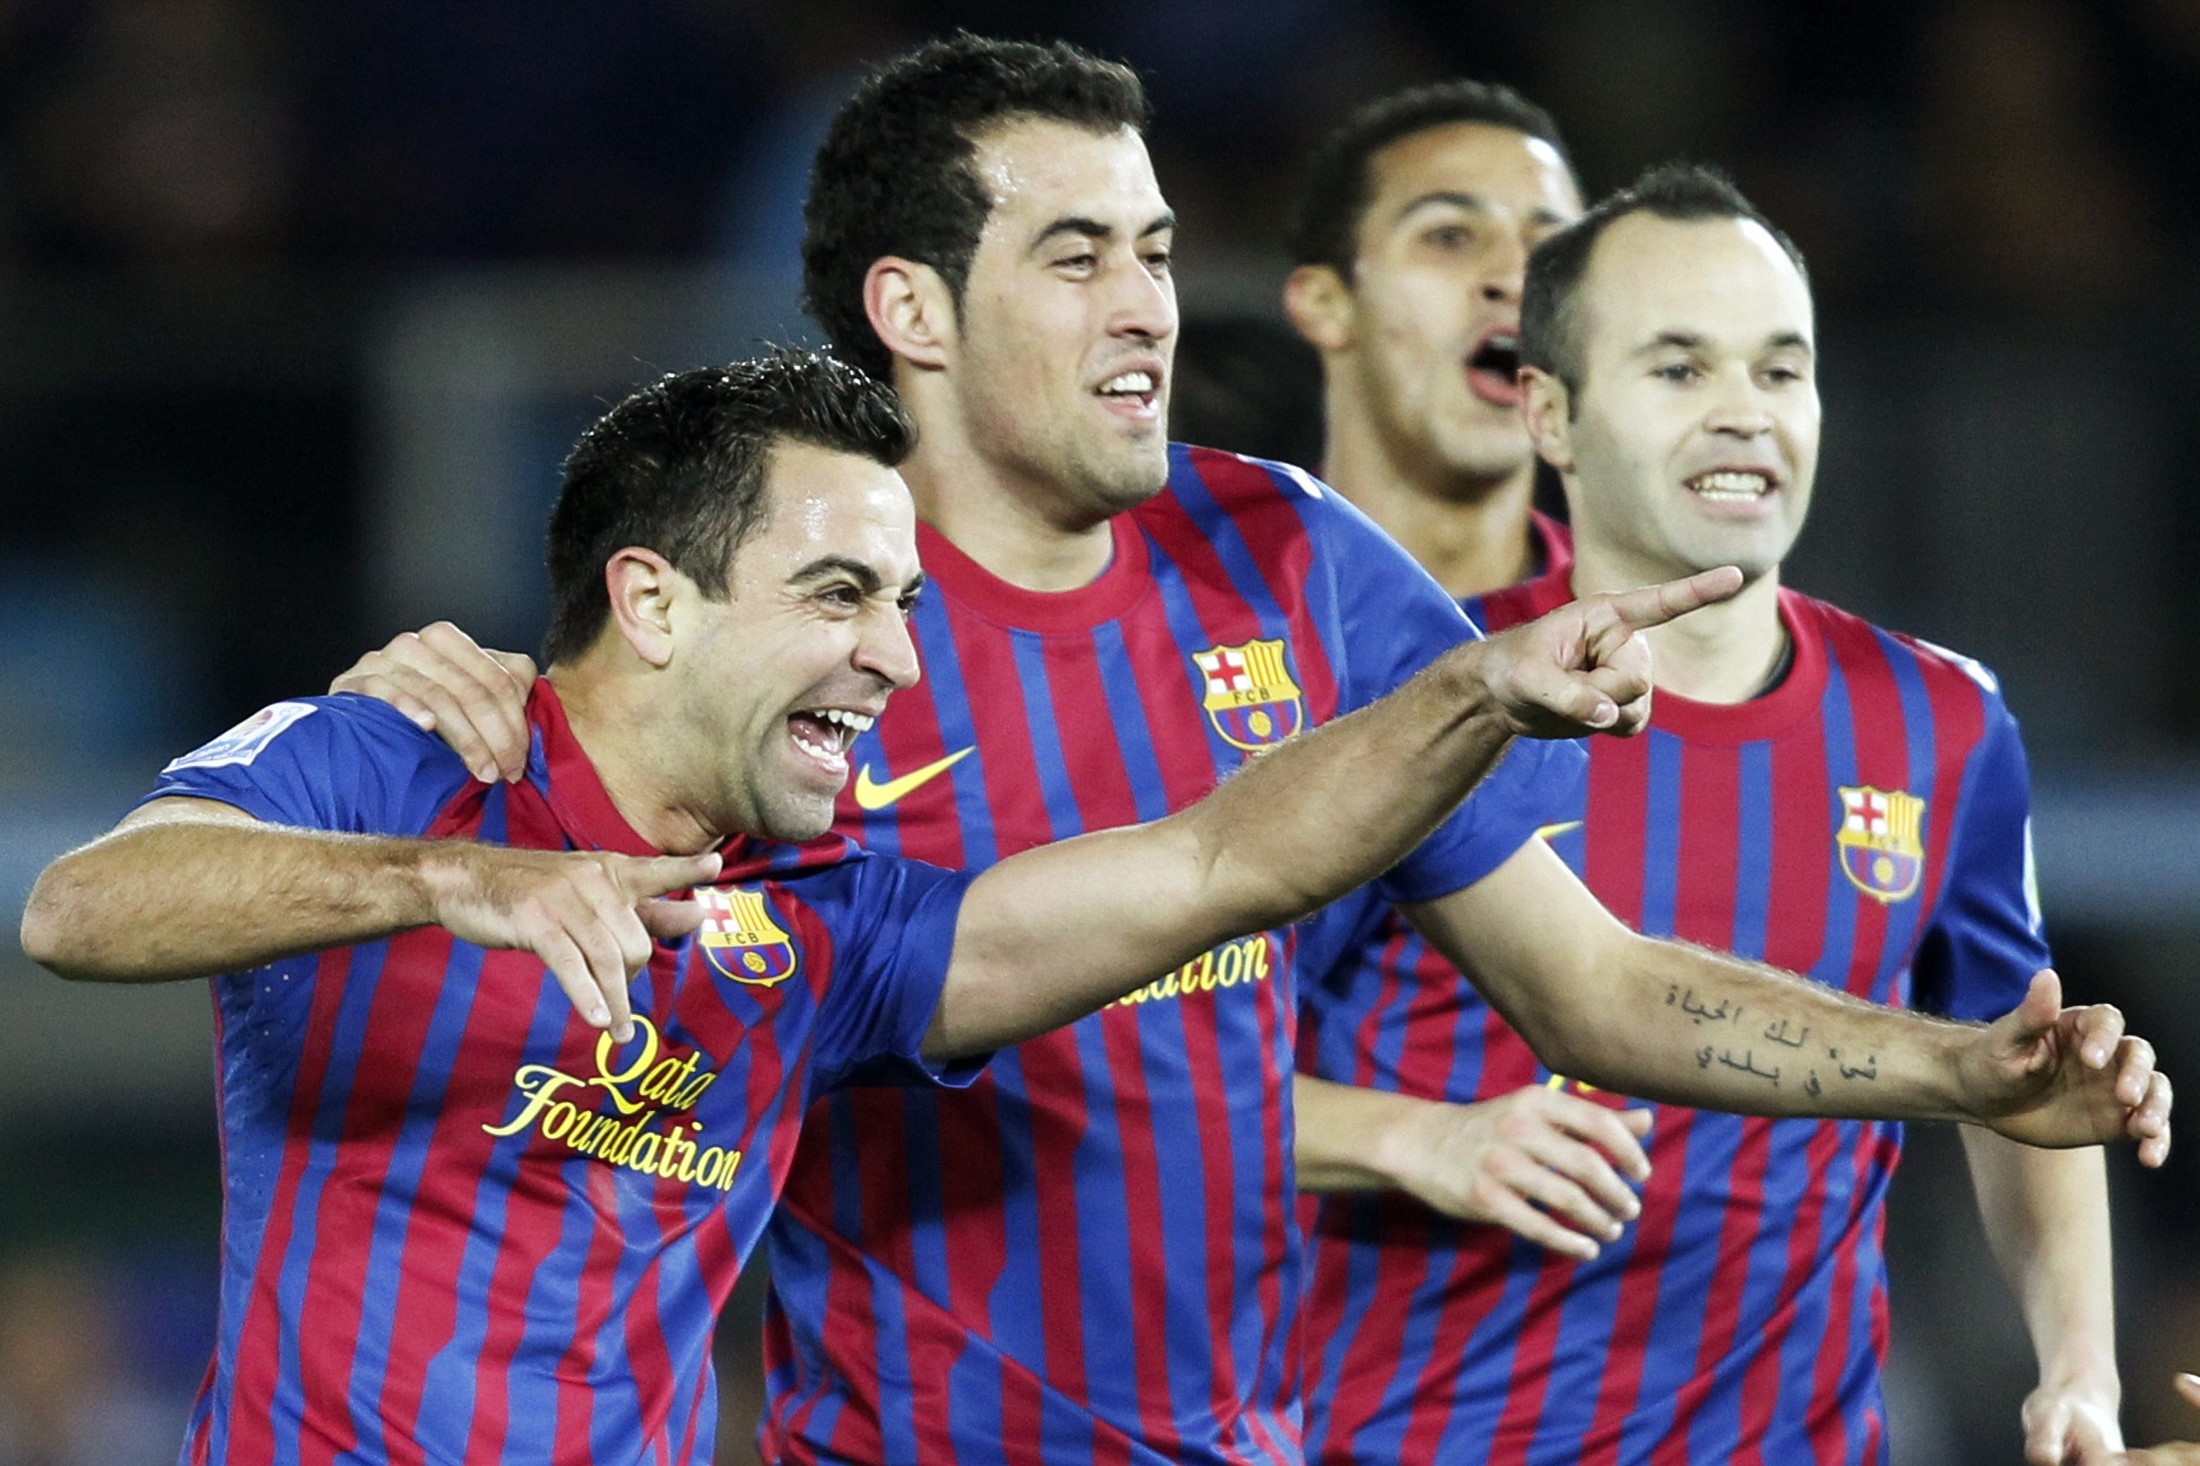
1493, 367
824, 735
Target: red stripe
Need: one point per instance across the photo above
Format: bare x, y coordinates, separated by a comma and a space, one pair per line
1882, 761
1636, 1309
1959, 722
260, 1335
1267, 519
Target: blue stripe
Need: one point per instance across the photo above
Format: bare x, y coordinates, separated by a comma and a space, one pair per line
958, 729
378, 1322
1133, 734
1840, 744
347, 1044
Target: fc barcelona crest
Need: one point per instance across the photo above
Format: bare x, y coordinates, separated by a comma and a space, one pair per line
1249, 694
1882, 842
741, 939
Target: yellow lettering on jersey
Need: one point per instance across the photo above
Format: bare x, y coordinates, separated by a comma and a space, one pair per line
638, 1094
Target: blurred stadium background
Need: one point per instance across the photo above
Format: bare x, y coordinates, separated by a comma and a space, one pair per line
300, 306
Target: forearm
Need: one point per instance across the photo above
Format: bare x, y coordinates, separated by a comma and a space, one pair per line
191, 891
1298, 828
1665, 1021
1345, 1136
2046, 1217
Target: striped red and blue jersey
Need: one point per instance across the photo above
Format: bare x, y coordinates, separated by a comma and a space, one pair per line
1865, 822
1092, 1254
459, 1225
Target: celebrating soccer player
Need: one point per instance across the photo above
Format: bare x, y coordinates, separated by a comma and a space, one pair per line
464, 1225
1814, 792
1093, 1249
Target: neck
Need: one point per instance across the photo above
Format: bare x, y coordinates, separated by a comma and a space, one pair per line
1472, 534
1724, 653
625, 734
1014, 523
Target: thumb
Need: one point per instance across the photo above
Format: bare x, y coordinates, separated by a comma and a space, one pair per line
2038, 1014
661, 873
2045, 1434
1572, 697
666, 920
2188, 1385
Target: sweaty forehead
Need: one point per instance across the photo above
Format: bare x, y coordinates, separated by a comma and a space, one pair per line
1036, 169
824, 504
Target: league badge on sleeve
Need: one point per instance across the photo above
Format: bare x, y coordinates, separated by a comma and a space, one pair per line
1882, 842
741, 939
1249, 694
245, 742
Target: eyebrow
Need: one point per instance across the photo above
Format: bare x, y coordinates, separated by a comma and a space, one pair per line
1692, 341
862, 572
1473, 203
1092, 228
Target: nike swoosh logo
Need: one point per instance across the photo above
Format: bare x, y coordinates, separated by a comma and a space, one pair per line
874, 796
1545, 832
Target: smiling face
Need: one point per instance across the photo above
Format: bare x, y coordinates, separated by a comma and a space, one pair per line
1067, 325
1435, 294
780, 676
1691, 439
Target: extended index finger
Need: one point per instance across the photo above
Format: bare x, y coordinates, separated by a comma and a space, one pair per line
1654, 605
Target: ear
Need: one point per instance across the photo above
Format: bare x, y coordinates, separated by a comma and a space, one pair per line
911, 309
1548, 409
643, 586
1320, 304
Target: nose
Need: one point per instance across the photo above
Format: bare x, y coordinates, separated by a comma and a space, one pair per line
886, 650
1507, 274
1739, 409
1145, 303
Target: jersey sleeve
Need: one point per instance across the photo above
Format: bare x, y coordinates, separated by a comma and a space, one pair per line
1986, 939
345, 763
1396, 620
894, 934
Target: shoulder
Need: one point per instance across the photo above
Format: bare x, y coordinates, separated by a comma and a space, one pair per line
1847, 634
337, 762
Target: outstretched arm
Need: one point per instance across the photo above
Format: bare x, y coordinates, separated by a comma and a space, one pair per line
2046, 1217
187, 888
1296, 828
1668, 1021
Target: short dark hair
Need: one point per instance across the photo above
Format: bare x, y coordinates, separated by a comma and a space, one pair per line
679, 468
1550, 326
894, 175
1340, 174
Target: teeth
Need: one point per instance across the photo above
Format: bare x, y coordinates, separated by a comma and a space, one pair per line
1731, 484
1129, 382
853, 722
1502, 341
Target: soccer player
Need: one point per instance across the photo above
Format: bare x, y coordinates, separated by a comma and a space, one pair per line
1411, 238
464, 1225
1092, 1252
1814, 792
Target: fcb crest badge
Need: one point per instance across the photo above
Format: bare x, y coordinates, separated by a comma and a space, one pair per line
1249, 694
1882, 842
741, 939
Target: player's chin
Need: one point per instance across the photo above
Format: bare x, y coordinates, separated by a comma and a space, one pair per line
794, 817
